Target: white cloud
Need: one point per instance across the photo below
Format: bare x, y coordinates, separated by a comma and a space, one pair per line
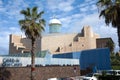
88, 6
70, 20
94, 7
65, 21
12, 9
52, 4
4, 38
39, 4
0, 2
79, 20
1, 6
87, 0
84, 9
60, 5
85, 19
66, 6
3, 21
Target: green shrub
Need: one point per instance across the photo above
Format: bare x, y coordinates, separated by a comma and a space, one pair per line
116, 67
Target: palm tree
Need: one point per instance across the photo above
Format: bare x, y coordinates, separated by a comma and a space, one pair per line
110, 10
32, 25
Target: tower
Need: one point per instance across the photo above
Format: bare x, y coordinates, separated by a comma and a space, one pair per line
54, 25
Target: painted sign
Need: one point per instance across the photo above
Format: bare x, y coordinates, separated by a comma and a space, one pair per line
11, 62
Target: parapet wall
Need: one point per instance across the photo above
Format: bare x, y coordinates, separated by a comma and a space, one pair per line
42, 73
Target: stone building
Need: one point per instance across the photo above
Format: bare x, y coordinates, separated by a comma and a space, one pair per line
56, 42
75, 46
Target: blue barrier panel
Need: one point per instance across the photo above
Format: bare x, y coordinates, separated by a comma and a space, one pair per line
99, 58
96, 59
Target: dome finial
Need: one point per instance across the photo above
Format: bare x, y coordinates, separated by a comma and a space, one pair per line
54, 16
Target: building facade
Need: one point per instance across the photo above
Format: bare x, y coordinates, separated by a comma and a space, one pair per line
102, 42
56, 42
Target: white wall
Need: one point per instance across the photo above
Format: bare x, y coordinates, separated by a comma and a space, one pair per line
24, 61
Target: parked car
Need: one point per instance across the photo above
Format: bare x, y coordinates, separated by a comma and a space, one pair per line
90, 76
113, 72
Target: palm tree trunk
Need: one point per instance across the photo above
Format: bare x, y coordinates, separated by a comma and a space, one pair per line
33, 60
40, 43
118, 32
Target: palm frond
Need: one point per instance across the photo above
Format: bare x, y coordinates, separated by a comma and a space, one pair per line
23, 12
34, 13
21, 22
102, 13
28, 12
40, 14
30, 24
42, 22
110, 10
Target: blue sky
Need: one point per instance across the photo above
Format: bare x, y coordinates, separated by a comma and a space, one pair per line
74, 14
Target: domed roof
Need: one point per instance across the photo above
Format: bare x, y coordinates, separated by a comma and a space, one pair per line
54, 21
